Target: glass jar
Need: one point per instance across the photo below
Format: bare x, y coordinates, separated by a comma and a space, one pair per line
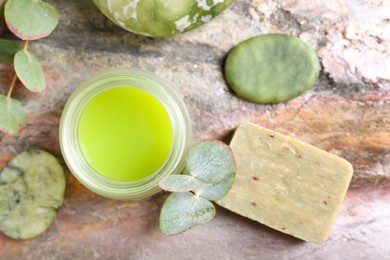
70, 145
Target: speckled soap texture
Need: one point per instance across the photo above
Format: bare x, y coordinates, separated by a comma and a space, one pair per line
286, 184
346, 113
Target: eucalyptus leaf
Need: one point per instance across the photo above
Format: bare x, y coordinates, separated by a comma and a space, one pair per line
30, 19
209, 161
8, 49
182, 211
216, 191
2, 4
2, 19
29, 71
180, 183
12, 117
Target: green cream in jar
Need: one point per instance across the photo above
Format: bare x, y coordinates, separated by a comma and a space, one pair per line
122, 131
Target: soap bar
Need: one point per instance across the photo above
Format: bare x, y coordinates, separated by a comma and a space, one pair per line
286, 184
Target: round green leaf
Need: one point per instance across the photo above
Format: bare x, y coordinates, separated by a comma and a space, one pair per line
8, 49
179, 183
216, 191
209, 161
2, 19
32, 188
12, 117
29, 71
271, 68
182, 211
30, 19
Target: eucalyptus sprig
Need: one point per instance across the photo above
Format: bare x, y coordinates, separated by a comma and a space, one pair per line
207, 176
28, 20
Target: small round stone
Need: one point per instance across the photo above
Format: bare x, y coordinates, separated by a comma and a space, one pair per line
32, 188
271, 68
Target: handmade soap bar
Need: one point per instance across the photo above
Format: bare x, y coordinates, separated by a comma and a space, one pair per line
286, 184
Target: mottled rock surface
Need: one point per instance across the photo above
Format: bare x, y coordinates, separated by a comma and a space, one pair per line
347, 113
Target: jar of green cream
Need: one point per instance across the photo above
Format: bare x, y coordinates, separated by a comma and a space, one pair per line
124, 130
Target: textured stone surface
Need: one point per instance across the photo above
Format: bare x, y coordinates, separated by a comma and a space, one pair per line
347, 113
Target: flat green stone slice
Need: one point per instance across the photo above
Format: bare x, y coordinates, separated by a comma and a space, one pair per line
271, 68
32, 188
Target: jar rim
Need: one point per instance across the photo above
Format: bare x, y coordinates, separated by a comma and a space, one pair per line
101, 82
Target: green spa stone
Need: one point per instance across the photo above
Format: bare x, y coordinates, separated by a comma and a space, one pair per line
32, 188
271, 68
161, 17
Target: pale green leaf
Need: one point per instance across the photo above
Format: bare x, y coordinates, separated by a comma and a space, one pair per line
29, 71
2, 19
2, 4
12, 117
8, 49
179, 183
30, 19
209, 161
216, 191
182, 211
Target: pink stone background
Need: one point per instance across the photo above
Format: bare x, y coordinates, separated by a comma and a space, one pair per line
347, 113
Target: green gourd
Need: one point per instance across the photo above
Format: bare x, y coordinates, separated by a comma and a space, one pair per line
161, 17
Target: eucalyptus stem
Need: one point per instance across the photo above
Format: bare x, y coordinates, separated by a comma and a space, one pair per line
22, 21
11, 88
25, 46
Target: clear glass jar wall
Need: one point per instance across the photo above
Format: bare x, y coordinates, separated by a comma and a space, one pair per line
181, 126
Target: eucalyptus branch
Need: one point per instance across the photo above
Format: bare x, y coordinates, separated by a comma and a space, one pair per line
204, 179
28, 20
25, 46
